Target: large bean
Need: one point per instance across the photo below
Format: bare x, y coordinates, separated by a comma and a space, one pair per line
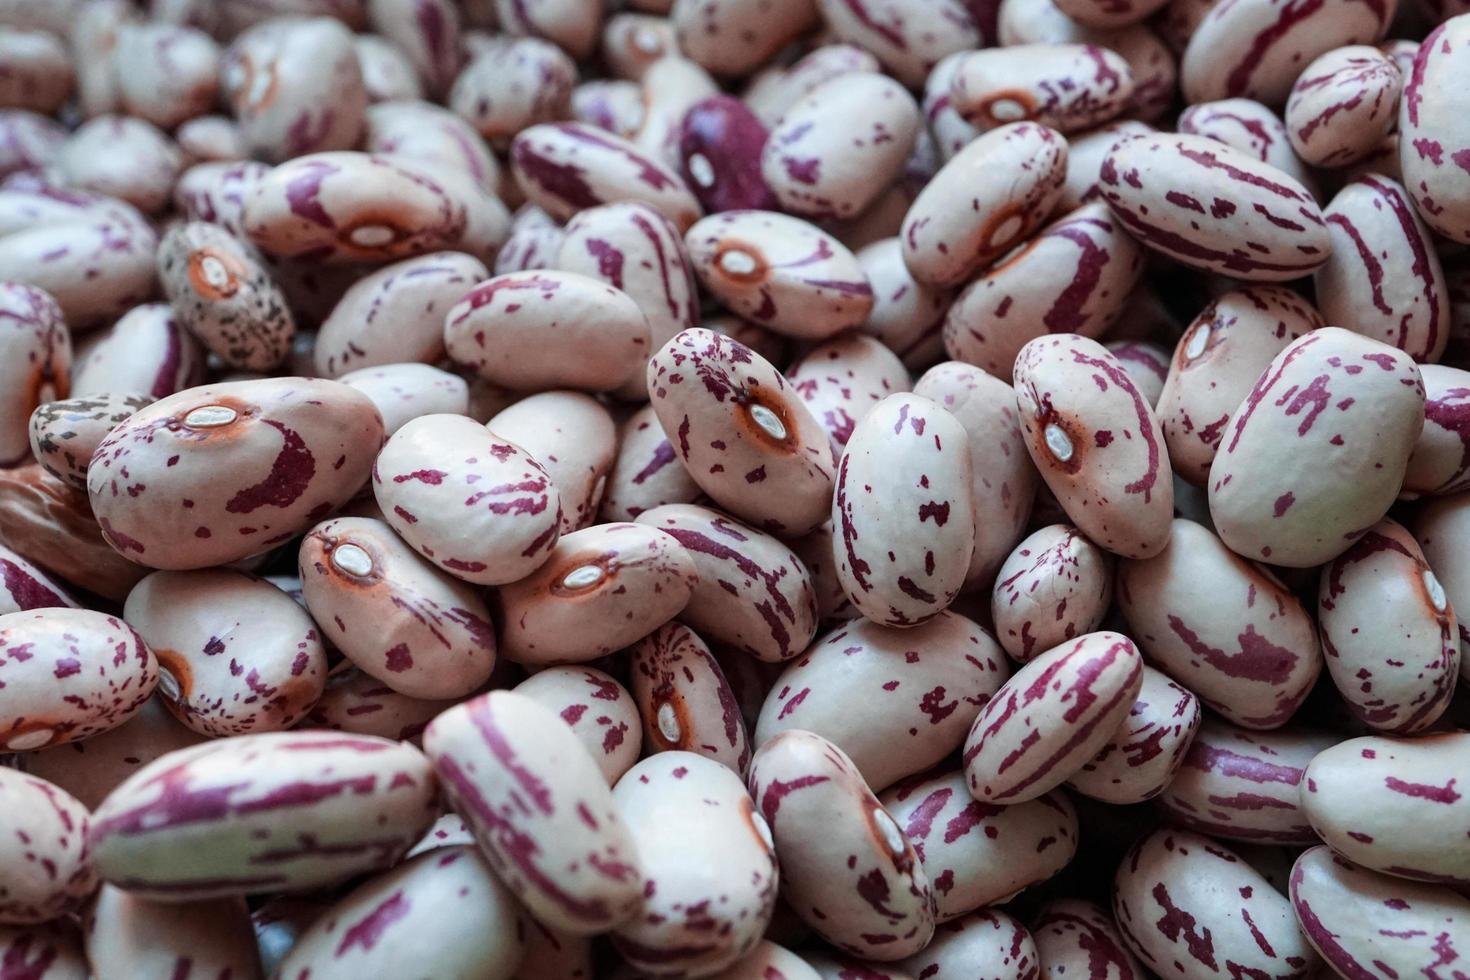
424, 131
602, 713
1146, 751
574, 439
647, 473
1069, 87
48, 871
1055, 586
733, 38
35, 363
1343, 105
1253, 129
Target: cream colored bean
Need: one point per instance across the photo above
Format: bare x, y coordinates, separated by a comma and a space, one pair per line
423, 131
1437, 529
518, 82
48, 871
1143, 755
1068, 87
1085, 155
146, 351
1343, 105
428, 31
358, 703
908, 38
166, 73
1253, 129
208, 139
684, 700
906, 313
632, 41
1054, 586
602, 712
387, 74
845, 378
647, 472
128, 936
1073, 935
404, 392
573, 438
570, 24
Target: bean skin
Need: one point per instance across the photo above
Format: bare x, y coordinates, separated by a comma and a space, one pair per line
1085, 155
1439, 464
601, 712
1069, 87
1109, 13
24, 586
986, 940
1073, 935
843, 379
356, 702
124, 157
206, 822
131, 936
52, 951
387, 74
1343, 105
166, 73
1430, 115
215, 192
1143, 755
65, 434
35, 363
1253, 129
1147, 365
428, 31
848, 870
48, 870
931, 680
615, 106
907, 314
574, 439
516, 83
817, 551
684, 700
647, 472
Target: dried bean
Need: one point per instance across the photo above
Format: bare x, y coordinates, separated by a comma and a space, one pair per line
1056, 585
684, 700
1343, 105
602, 713
575, 441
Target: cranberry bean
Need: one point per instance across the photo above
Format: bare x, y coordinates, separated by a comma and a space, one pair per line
670, 88
516, 83
1437, 529
632, 41
1162, 187
131, 936
266, 460
845, 378
24, 586
1438, 463
575, 441
566, 167
397, 618
1147, 365
262, 813
684, 700
720, 142
404, 392
1388, 631
358, 703
978, 853
1354, 917
423, 131
387, 74
1073, 936
603, 588
45, 952
931, 681
30, 141
987, 940
1222, 627
1055, 585
1085, 155
646, 473
208, 139
351, 207
729, 37
1257, 49
840, 146
949, 130
1055, 382
427, 31
1068, 87
534, 241
1286, 489
1343, 105
1147, 750
906, 313
1182, 898
828, 966
216, 192
601, 712
166, 73
908, 38
225, 297
739, 426
1217, 362
35, 363
48, 871
146, 351
702, 845
1253, 129
1073, 277
295, 87
570, 24
615, 106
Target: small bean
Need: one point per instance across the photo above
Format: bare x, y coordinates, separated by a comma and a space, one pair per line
216, 192
720, 143
729, 37
387, 74
1343, 105
423, 131
670, 87
517, 83
907, 314
570, 24
166, 73
48, 871
575, 441
684, 700
845, 378
1147, 750
1073, 935
1147, 365
356, 702
208, 139
1438, 464
908, 37
987, 940
647, 473
1056, 585
534, 240
35, 363
428, 31
601, 712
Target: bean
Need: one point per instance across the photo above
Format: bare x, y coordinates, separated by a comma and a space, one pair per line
1085, 155
1146, 751
1251, 128
601, 712
266, 460
166, 73
1284, 487
835, 967
987, 940
423, 131
906, 314
208, 139
1146, 364
48, 870
684, 700
719, 143
358, 703
633, 41
908, 38
36, 364
404, 392
843, 379
1054, 586
1343, 105
216, 192
207, 821
147, 351
615, 106
732, 38
428, 31
387, 74
128, 936
31, 140
1068, 87
646, 473
1073, 934
570, 24
24, 586
517, 83
575, 441
1109, 13
1437, 465
534, 240
670, 88
52, 951
37, 73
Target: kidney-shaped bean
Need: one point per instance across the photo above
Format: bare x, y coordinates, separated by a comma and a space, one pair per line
1055, 586
48, 870
1143, 755
684, 699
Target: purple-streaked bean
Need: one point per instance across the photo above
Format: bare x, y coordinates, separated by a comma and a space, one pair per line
904, 511
236, 655
1389, 634
949, 130
1438, 528
1391, 805
1258, 48
646, 473
1054, 715
423, 131
603, 588
295, 87
132, 936
1109, 13
519, 82
906, 313
1068, 87
601, 712
404, 392
208, 139
1224, 628
1085, 155
53, 951
562, 849
1243, 785
708, 864
166, 73
752, 592
1003, 479
263, 813
216, 192
847, 868
225, 297
1183, 901
487, 220
49, 522
397, 618
610, 104
35, 71
635, 250
574, 439
816, 551
961, 222
1073, 277
566, 167
684, 700
358, 703
735, 422
351, 207
719, 143
1366, 925
48, 871
729, 37
478, 507
427, 31
1316, 453
1147, 365
1217, 362
263, 461
670, 88
782, 272
1383, 279
1075, 937
69, 674
633, 41
28, 140
1213, 207
395, 314
776, 89
570, 24
35, 363
124, 157
1147, 750
1343, 105
1253, 129
908, 38
146, 351
986, 940
978, 853
930, 682
1056, 585
25, 586
534, 240
93, 35
387, 73
834, 151
1439, 463
1096, 442
845, 378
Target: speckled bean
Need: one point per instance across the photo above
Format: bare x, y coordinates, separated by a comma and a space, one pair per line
986, 940
907, 314
428, 31
28, 140
1253, 129
613, 105
52, 951
147, 351
535, 237
266, 460
404, 392
1147, 750
670, 88
517, 83
633, 41
35, 363
48, 870
847, 869
843, 379
1147, 364
423, 131
216, 192
24, 586
1343, 105
601, 712
129, 936
1439, 463
684, 700
719, 146
1317, 451
729, 37
573, 438
358, 703
647, 473
961, 223
1074, 937
166, 73
387, 74
1085, 155
1054, 586
1431, 115
1068, 87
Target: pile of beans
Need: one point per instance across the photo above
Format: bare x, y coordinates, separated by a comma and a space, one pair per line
756, 489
